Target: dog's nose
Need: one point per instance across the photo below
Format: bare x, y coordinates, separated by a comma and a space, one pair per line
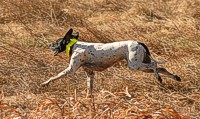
50, 45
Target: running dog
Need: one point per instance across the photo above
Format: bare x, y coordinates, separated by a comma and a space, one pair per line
99, 56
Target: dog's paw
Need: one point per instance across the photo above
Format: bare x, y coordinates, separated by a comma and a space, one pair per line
46, 83
159, 79
177, 78
89, 96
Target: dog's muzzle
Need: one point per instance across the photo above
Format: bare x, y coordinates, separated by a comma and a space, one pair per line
54, 49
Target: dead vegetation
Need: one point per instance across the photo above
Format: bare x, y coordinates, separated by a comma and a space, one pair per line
170, 28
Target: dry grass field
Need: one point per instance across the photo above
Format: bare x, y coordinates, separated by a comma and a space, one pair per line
170, 28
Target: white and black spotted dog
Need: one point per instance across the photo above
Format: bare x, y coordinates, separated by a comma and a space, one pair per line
99, 56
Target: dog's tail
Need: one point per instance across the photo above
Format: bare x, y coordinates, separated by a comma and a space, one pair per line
148, 53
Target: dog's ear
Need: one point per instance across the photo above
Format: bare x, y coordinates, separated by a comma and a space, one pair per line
68, 34
76, 35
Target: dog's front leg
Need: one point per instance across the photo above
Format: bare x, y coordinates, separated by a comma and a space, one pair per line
73, 67
90, 78
61, 74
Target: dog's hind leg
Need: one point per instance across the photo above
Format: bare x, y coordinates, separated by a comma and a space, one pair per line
165, 72
90, 78
135, 59
170, 75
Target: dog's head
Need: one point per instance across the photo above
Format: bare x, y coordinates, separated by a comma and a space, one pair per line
60, 45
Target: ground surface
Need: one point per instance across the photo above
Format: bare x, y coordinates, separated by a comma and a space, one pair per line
170, 28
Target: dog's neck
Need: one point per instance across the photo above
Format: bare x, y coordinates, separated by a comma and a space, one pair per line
69, 46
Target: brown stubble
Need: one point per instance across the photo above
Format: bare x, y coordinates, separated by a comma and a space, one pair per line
170, 28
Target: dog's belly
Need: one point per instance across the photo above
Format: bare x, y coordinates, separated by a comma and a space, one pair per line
100, 64
97, 66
